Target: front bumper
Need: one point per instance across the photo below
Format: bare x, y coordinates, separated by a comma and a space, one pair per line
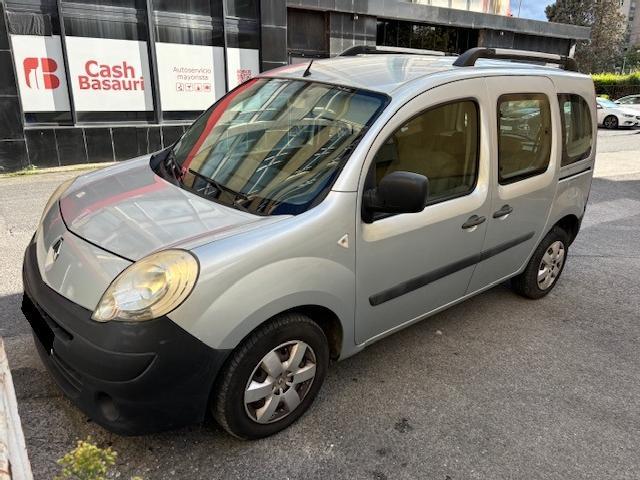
131, 378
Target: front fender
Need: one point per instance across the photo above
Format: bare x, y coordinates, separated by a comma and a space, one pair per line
265, 292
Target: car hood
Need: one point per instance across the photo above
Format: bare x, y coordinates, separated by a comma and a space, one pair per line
130, 211
622, 111
629, 111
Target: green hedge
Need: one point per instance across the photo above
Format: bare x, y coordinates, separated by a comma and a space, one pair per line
612, 79
616, 86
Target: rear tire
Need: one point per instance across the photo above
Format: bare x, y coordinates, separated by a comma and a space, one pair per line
545, 267
610, 122
272, 377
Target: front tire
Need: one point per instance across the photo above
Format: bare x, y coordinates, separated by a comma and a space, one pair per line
272, 377
611, 122
545, 267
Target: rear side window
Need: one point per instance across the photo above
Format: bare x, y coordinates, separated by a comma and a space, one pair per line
440, 143
524, 136
630, 101
577, 131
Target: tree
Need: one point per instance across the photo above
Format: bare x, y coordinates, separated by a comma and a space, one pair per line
631, 60
574, 12
608, 27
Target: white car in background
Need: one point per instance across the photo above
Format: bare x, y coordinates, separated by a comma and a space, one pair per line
612, 115
630, 101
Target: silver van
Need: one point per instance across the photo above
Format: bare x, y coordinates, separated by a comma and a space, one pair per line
310, 212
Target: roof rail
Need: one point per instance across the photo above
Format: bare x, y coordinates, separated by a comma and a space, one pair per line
371, 49
469, 58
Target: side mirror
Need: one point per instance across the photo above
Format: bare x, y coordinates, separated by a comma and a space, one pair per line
599, 107
398, 192
617, 102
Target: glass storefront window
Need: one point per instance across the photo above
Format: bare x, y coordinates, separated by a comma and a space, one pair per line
310, 37
102, 49
396, 33
37, 17
39, 61
108, 60
247, 9
192, 7
190, 56
117, 19
242, 40
192, 22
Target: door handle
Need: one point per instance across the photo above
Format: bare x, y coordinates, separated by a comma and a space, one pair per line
504, 212
472, 223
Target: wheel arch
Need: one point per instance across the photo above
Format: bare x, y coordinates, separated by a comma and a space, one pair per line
570, 224
323, 316
611, 115
327, 320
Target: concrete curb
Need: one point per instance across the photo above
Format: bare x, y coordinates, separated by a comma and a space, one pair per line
14, 462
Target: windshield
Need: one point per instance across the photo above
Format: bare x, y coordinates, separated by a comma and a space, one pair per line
607, 103
273, 146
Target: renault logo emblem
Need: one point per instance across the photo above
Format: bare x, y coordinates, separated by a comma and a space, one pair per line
55, 249
53, 253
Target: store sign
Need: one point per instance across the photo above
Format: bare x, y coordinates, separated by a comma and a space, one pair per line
242, 64
109, 75
41, 77
191, 77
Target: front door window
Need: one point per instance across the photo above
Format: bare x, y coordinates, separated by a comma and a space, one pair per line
442, 144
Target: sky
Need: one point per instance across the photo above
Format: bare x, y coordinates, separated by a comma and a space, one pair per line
530, 8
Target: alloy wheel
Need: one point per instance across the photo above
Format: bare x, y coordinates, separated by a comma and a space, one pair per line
611, 122
551, 265
280, 382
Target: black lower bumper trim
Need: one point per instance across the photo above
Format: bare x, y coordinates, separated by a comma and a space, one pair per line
131, 378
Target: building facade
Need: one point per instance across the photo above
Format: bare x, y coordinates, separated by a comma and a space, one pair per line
496, 7
105, 80
628, 9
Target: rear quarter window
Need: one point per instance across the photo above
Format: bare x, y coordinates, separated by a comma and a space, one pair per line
577, 129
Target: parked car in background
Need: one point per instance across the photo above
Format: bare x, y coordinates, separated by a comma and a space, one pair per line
630, 101
612, 115
312, 211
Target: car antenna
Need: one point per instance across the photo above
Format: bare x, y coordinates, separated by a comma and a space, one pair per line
307, 72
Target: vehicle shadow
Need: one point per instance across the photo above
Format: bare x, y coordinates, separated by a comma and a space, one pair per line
12, 322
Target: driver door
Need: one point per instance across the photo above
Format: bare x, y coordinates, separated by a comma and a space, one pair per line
408, 265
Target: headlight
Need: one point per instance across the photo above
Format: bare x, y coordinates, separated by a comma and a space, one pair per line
150, 288
627, 115
55, 196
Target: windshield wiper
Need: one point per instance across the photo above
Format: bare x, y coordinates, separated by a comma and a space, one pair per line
220, 186
171, 164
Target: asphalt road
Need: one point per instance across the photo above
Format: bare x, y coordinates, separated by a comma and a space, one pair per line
498, 387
